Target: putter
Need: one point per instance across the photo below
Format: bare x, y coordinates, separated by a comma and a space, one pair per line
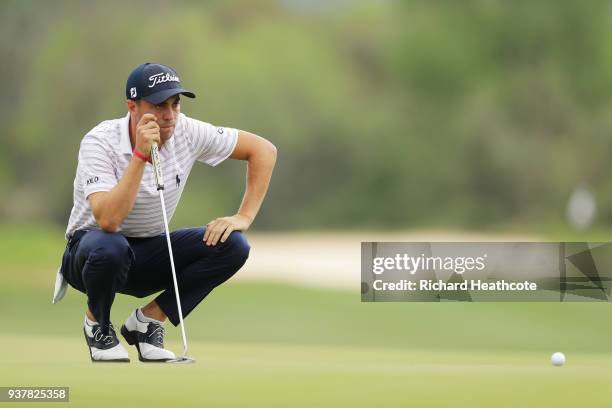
159, 181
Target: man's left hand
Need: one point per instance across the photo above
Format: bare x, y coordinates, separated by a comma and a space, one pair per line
220, 229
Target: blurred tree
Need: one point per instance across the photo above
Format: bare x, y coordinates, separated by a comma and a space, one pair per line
388, 114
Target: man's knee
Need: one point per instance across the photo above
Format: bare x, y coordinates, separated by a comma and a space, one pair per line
108, 249
238, 246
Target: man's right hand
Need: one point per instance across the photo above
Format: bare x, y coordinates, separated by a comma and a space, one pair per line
147, 133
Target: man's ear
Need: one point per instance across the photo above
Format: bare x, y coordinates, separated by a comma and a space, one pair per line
131, 105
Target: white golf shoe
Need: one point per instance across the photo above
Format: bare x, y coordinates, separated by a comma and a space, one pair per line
148, 337
104, 349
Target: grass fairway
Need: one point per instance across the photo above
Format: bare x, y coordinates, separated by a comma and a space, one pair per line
273, 345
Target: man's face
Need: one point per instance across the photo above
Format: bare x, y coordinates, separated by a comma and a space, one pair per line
166, 113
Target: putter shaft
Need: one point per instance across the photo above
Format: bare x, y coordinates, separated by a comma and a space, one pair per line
159, 181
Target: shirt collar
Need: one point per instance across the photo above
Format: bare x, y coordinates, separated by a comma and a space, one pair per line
126, 145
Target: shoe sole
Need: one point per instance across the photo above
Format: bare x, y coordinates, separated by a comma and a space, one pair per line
117, 360
133, 341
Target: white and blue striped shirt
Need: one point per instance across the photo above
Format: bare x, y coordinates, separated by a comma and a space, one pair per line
106, 152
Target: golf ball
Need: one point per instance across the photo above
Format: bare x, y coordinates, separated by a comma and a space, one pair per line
557, 359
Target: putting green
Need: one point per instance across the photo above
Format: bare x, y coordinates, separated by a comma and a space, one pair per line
276, 375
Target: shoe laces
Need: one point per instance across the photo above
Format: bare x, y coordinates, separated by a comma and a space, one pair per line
157, 335
109, 338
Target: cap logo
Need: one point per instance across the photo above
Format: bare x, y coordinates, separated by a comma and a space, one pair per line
133, 92
160, 78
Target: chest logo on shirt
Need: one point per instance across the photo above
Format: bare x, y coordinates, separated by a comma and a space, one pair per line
220, 130
93, 180
178, 181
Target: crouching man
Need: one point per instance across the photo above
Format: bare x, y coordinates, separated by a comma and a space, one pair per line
116, 240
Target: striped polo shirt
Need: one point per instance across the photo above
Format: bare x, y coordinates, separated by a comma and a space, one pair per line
106, 151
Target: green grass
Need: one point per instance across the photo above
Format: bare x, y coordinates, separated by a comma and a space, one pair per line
267, 344
273, 375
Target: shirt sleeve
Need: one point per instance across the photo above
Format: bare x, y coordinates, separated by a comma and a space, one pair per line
95, 168
210, 144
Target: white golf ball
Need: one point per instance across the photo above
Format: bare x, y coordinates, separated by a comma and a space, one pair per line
557, 359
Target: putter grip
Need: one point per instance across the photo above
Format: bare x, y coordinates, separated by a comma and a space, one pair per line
157, 171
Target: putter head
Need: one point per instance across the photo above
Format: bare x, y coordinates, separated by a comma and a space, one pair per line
181, 360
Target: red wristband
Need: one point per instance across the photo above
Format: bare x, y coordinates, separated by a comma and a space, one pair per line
140, 155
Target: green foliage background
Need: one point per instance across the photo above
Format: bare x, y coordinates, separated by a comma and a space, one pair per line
386, 114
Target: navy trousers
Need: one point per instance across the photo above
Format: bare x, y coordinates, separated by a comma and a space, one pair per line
101, 264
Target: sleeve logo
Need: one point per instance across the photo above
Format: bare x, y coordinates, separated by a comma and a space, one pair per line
93, 180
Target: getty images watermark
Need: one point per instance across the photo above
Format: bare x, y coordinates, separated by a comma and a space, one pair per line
500, 271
